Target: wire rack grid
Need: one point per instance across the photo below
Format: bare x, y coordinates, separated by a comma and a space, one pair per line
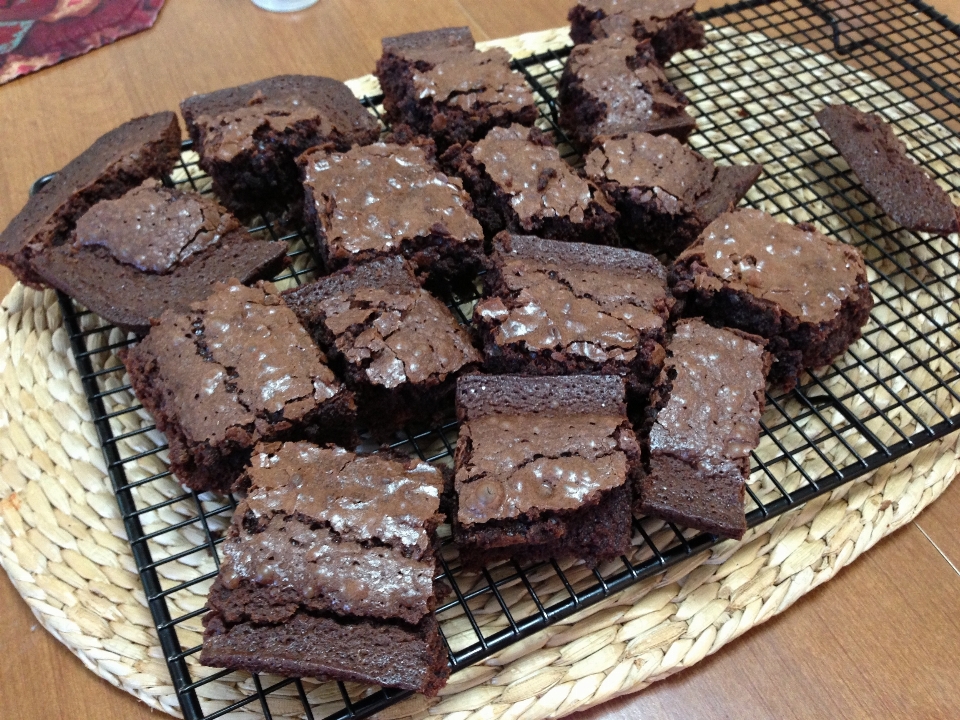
768, 67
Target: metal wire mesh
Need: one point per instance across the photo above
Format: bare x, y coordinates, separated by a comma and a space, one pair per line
768, 67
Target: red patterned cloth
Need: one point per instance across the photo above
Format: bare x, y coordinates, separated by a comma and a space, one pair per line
37, 33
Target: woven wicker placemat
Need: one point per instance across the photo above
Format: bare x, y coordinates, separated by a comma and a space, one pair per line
63, 545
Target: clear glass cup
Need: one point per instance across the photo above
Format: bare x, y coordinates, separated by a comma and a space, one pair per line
284, 5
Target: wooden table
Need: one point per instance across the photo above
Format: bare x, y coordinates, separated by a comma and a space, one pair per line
878, 641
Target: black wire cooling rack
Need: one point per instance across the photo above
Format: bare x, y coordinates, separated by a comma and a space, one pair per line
769, 65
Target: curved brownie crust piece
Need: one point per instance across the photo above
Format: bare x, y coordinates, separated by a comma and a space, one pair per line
248, 137
236, 369
399, 348
340, 547
152, 250
440, 85
520, 183
118, 161
668, 24
615, 85
666, 193
387, 199
899, 186
542, 468
557, 308
806, 293
710, 397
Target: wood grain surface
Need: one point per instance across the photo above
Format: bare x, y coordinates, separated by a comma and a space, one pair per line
879, 641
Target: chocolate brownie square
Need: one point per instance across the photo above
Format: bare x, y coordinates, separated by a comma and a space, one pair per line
328, 570
544, 468
399, 348
559, 308
235, 370
807, 294
440, 85
668, 24
901, 188
709, 398
520, 183
665, 192
154, 249
117, 162
249, 137
615, 85
387, 199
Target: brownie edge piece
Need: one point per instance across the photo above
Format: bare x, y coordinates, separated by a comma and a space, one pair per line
710, 397
117, 162
235, 370
562, 308
543, 468
249, 136
806, 293
328, 570
901, 188
155, 249
439, 84
668, 24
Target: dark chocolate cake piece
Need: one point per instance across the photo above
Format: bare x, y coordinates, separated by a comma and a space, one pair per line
807, 294
117, 162
154, 249
249, 137
439, 84
560, 308
668, 24
665, 192
543, 468
386, 199
901, 188
519, 182
235, 370
328, 570
399, 348
709, 399
616, 85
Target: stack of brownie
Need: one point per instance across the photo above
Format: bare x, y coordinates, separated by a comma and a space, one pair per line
615, 364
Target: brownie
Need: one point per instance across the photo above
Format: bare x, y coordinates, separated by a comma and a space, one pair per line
387, 199
154, 249
616, 85
398, 347
665, 192
519, 182
668, 24
328, 570
117, 162
544, 468
901, 188
248, 137
235, 370
559, 308
807, 294
439, 84
709, 399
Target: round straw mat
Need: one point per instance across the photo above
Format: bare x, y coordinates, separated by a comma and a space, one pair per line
63, 545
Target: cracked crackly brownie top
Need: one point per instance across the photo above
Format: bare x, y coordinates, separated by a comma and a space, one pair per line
530, 445
560, 307
236, 369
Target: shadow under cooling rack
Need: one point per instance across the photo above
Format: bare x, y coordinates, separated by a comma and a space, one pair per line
768, 66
